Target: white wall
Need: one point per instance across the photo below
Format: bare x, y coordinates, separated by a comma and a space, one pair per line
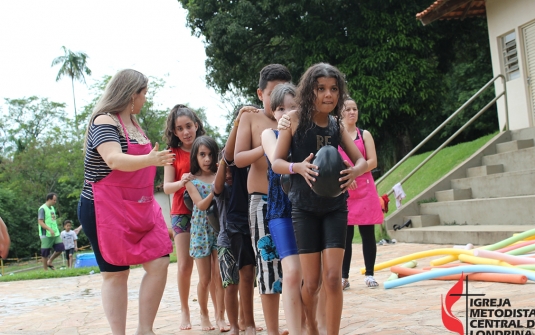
504, 16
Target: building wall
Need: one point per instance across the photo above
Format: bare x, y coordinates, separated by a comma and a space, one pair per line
504, 16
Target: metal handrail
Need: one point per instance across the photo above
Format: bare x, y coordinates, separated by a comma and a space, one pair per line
469, 122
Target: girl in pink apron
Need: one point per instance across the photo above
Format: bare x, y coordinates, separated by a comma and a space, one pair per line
363, 202
117, 209
203, 243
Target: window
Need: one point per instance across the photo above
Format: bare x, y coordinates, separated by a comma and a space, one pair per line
510, 58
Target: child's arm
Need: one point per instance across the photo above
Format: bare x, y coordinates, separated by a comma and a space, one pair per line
170, 185
231, 141
219, 182
280, 165
269, 142
76, 244
354, 154
244, 154
202, 204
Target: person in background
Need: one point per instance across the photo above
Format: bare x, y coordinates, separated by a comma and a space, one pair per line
70, 242
49, 232
4, 240
363, 201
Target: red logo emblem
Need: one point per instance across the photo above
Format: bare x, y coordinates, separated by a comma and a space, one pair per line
450, 321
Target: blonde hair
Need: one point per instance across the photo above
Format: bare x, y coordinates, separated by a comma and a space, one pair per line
118, 95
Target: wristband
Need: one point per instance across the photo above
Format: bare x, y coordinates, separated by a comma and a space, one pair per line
291, 168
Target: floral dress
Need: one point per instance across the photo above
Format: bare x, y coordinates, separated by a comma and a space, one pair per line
203, 238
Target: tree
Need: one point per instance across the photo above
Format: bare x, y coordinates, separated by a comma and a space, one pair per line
395, 68
73, 65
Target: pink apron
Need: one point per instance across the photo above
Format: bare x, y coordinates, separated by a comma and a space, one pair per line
130, 225
363, 203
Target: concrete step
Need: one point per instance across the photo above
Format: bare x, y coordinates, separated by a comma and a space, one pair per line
493, 211
514, 145
484, 170
518, 160
507, 184
419, 221
523, 134
454, 194
456, 234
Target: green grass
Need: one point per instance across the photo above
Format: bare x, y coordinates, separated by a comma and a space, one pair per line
58, 273
447, 159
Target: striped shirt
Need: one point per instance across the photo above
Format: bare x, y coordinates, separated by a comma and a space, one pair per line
95, 168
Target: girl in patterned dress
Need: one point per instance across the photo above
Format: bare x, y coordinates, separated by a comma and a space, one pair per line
203, 165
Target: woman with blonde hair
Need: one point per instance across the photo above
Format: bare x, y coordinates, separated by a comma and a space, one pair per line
117, 208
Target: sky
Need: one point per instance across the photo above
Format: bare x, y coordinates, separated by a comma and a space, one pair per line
148, 36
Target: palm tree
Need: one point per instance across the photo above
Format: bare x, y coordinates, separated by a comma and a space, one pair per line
73, 65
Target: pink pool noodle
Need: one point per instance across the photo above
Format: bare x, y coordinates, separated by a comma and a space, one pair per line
513, 260
516, 246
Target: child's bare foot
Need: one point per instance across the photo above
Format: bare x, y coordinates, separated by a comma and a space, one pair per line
252, 330
205, 323
185, 323
242, 327
234, 330
223, 326
284, 332
312, 328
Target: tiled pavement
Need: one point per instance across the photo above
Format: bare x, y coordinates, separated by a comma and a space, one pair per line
72, 305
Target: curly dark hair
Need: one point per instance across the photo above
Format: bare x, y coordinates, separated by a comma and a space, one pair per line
169, 136
306, 96
273, 72
211, 144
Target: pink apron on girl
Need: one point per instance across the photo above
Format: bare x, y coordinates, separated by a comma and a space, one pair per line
130, 225
363, 203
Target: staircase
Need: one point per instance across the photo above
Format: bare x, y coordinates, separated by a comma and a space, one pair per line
486, 199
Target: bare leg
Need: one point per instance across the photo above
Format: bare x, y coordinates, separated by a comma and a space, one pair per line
321, 313
205, 274
291, 297
185, 268
150, 293
45, 263
311, 267
332, 280
246, 288
115, 299
53, 257
231, 304
219, 301
69, 262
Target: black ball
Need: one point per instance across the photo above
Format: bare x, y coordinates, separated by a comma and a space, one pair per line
330, 163
285, 183
213, 217
187, 201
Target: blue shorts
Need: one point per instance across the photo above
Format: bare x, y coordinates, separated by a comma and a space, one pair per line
282, 232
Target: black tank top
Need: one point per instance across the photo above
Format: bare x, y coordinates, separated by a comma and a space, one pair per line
301, 195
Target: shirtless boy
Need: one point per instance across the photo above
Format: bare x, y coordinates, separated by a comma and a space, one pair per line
249, 151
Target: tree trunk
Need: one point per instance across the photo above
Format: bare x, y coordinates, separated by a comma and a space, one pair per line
75, 114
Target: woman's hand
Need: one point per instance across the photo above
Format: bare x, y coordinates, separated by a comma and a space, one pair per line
284, 122
305, 169
349, 176
161, 158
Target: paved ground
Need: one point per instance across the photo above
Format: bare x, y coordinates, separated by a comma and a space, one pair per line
72, 305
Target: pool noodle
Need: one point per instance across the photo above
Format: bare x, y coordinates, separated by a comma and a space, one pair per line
516, 246
417, 255
513, 260
488, 277
456, 270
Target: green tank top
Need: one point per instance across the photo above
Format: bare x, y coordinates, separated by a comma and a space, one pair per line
50, 220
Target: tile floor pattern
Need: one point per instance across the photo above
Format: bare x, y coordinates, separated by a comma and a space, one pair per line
70, 306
